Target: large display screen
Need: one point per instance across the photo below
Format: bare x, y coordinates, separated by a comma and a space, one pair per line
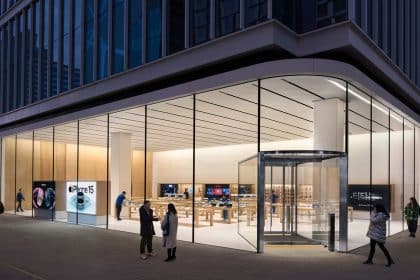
168, 189
43, 194
245, 189
361, 198
81, 197
216, 191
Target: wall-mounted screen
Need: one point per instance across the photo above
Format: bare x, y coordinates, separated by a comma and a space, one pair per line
217, 191
168, 190
245, 189
361, 198
81, 197
43, 195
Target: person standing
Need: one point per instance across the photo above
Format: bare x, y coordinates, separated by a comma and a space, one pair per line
169, 226
411, 212
147, 230
186, 194
273, 199
118, 204
19, 198
377, 233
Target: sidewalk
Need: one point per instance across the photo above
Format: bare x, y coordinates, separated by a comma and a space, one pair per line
33, 249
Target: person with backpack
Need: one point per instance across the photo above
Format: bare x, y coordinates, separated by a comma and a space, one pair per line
411, 212
377, 233
169, 226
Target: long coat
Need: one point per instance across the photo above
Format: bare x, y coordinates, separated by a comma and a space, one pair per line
377, 227
146, 222
169, 241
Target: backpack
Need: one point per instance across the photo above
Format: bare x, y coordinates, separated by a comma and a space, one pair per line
1, 208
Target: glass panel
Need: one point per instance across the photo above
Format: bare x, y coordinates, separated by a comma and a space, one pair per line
27, 63
55, 42
226, 134
45, 45
154, 30
66, 45
359, 166
246, 198
170, 159
408, 162
396, 173
127, 167
43, 185
199, 21
8, 174
102, 39
19, 47
89, 41
24, 173
91, 192
135, 32
65, 169
175, 25
36, 76
227, 16
118, 36
12, 50
77, 43
255, 11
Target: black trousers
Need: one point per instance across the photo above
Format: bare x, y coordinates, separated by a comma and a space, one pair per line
146, 241
118, 211
19, 207
412, 226
382, 246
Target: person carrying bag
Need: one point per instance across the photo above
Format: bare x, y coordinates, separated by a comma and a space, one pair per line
169, 226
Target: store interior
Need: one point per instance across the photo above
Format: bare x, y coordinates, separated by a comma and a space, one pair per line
148, 152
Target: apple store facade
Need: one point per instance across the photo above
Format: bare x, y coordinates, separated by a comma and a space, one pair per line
248, 160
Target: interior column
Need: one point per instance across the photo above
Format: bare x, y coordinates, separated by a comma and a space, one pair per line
120, 165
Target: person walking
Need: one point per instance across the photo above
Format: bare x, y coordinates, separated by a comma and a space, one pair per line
377, 233
169, 226
147, 230
19, 198
411, 212
118, 204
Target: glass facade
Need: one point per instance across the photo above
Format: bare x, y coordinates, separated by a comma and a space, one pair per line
153, 30
199, 152
117, 36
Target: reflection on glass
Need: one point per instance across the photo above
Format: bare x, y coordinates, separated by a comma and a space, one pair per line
154, 30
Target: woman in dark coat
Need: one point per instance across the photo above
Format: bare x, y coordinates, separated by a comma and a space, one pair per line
147, 230
377, 233
411, 213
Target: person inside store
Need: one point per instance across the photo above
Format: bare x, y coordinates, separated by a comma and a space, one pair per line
186, 194
147, 230
119, 203
169, 226
377, 233
411, 212
19, 198
273, 199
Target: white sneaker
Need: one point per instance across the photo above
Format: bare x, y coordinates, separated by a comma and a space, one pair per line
143, 256
152, 254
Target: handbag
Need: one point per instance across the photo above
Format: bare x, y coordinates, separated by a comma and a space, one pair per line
165, 229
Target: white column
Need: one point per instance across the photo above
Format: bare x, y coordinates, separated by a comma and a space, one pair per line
120, 164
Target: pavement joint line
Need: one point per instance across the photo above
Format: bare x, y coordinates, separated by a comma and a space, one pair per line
30, 274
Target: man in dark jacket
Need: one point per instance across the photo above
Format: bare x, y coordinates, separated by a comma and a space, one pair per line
147, 230
19, 198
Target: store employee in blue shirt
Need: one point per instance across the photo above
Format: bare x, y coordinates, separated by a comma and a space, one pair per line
119, 203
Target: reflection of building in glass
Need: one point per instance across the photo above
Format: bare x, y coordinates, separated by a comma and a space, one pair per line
172, 101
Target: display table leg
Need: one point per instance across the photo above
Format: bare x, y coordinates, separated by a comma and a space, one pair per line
211, 219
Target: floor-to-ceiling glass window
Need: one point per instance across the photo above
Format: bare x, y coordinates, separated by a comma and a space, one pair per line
135, 20
2, 65
175, 26
103, 43
55, 67
45, 46
117, 36
27, 56
92, 194
199, 21
226, 133
24, 147
255, 11
153, 29
396, 171
8, 174
36, 48
227, 16
408, 162
77, 43
359, 166
19, 62
65, 171
66, 11
88, 41
12, 52
169, 174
